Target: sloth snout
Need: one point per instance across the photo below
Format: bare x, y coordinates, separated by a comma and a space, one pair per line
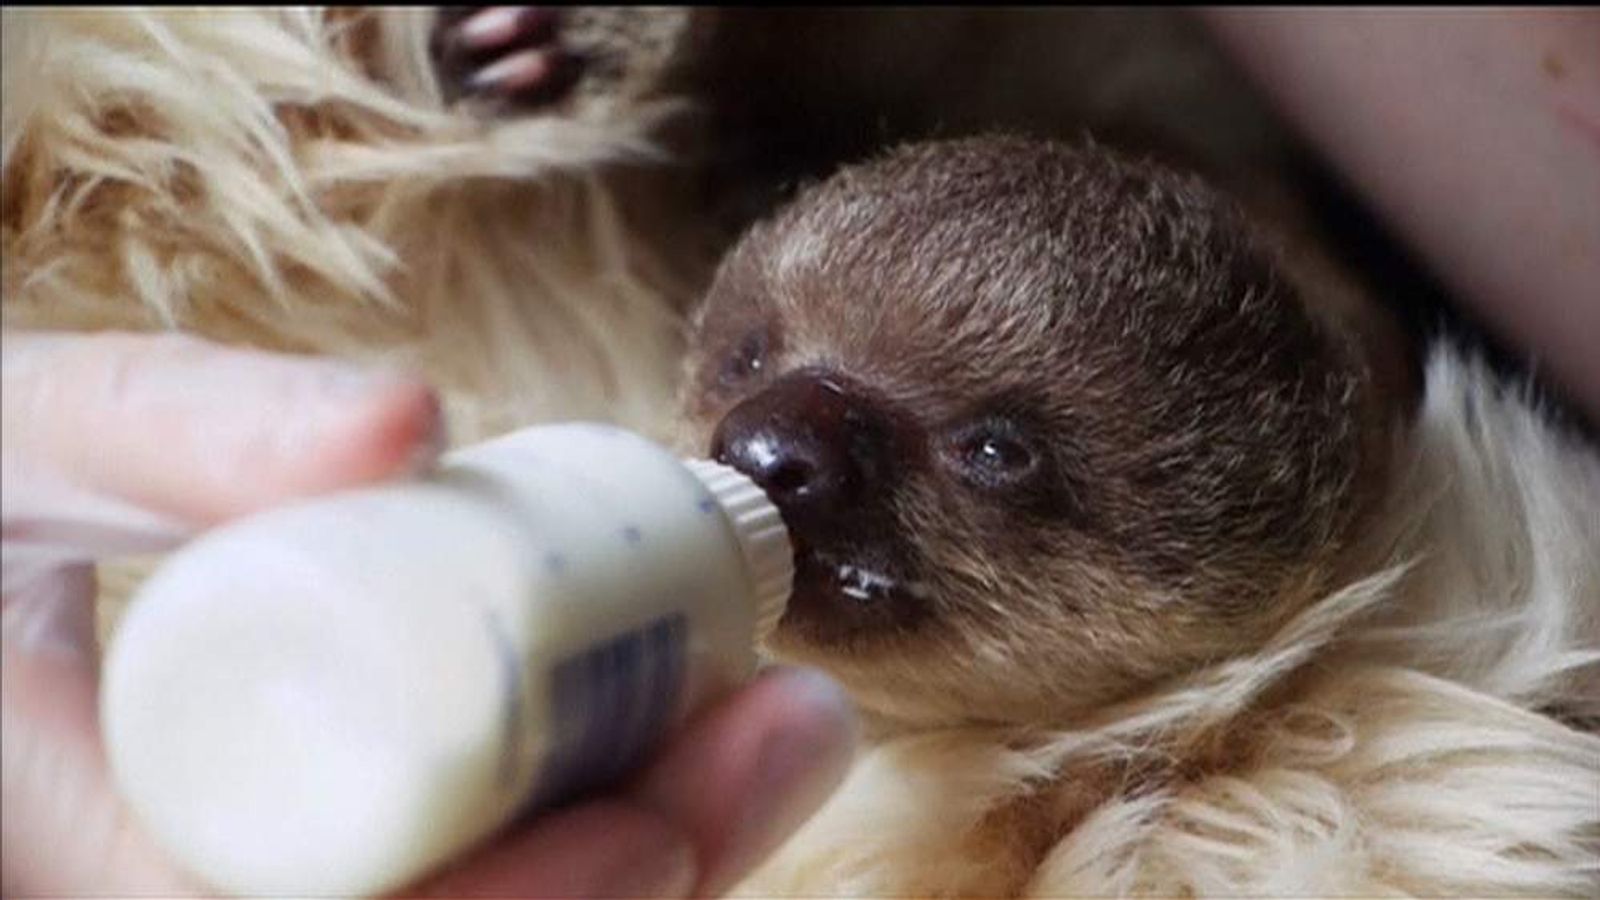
813, 442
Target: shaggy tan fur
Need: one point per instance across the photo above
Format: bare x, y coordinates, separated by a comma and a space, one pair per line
289, 178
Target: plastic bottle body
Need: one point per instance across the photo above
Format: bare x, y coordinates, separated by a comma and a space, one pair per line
390, 675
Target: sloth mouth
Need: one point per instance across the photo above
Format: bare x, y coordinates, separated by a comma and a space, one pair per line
837, 595
865, 584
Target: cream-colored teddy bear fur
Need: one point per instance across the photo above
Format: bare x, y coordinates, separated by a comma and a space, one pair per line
291, 179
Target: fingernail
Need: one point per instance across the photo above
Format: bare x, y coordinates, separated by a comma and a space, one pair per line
669, 872
49, 610
797, 768
810, 757
342, 382
383, 416
425, 455
495, 25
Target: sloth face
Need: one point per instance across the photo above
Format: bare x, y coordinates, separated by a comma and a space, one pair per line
1047, 426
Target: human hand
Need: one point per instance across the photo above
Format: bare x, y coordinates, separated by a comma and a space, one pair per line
1475, 136
120, 443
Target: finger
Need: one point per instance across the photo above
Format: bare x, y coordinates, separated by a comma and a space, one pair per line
64, 832
50, 610
606, 849
732, 786
199, 431
749, 773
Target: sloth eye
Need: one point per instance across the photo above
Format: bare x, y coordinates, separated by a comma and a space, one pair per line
999, 454
996, 455
748, 359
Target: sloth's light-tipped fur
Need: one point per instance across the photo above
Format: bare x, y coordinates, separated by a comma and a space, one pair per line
288, 177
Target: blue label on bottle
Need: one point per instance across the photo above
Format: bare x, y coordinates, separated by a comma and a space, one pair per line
608, 707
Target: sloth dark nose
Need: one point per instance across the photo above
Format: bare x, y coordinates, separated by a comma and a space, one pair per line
814, 442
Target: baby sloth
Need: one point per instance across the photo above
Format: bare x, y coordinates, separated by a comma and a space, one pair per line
1048, 427
1121, 521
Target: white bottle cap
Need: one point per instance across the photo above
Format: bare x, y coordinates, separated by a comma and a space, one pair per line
761, 534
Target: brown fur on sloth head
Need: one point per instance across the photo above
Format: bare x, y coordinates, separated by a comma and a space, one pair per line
1048, 426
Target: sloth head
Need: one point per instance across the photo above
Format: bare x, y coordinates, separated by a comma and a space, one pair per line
1047, 426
